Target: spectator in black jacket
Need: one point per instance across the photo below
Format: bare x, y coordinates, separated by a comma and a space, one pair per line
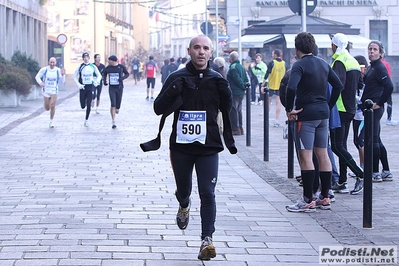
165, 70
172, 66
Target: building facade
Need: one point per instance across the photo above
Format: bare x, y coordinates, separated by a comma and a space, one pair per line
376, 19
105, 27
370, 19
23, 27
174, 23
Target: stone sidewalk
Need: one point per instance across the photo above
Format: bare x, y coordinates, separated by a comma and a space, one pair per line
89, 196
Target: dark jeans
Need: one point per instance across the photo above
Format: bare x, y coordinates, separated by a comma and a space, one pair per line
339, 139
236, 113
206, 167
85, 97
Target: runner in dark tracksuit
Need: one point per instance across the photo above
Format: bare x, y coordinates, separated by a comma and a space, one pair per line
195, 94
117, 73
86, 77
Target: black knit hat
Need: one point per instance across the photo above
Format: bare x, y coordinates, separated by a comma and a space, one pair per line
113, 58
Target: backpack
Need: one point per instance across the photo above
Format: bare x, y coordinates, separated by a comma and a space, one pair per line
44, 75
81, 68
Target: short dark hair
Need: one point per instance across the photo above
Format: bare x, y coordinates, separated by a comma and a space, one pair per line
361, 60
95, 56
184, 60
171, 59
305, 42
166, 62
277, 52
151, 57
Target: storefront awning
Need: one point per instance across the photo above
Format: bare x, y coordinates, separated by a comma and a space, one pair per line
322, 40
358, 42
253, 41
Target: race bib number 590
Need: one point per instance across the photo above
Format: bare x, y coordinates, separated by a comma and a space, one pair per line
191, 127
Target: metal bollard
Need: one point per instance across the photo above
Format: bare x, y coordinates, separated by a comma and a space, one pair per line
266, 125
291, 125
368, 164
248, 115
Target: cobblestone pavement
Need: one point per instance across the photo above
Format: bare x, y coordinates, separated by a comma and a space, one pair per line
89, 196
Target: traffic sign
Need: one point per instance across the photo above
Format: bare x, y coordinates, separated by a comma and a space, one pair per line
62, 39
295, 6
204, 25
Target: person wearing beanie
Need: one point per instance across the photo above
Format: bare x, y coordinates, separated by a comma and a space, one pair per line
348, 70
116, 74
86, 77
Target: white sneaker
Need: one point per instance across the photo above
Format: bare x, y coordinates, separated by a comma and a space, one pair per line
302, 206
86, 123
391, 122
51, 125
97, 112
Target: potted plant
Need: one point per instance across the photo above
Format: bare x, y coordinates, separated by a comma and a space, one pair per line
14, 83
21, 60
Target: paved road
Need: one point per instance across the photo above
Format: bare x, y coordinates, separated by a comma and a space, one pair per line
89, 196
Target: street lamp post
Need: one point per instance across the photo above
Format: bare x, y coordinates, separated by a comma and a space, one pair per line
303, 15
217, 28
239, 30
